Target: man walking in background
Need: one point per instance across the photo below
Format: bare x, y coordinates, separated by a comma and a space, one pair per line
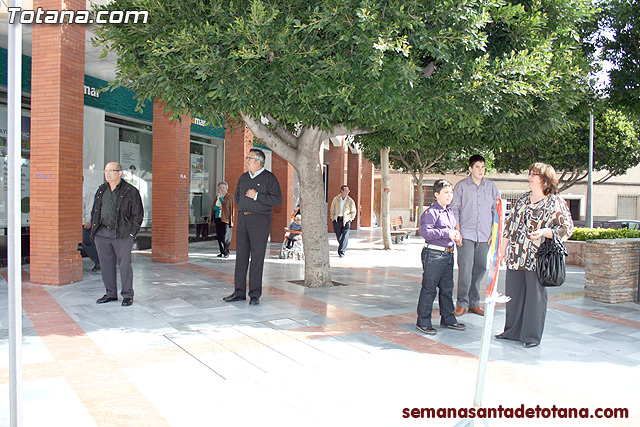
343, 211
87, 243
474, 203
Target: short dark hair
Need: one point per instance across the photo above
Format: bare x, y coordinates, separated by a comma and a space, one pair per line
343, 187
259, 154
547, 175
440, 184
475, 159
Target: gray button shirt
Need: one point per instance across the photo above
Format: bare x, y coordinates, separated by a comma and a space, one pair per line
473, 206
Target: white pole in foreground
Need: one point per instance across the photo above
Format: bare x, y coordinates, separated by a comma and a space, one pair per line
492, 297
14, 250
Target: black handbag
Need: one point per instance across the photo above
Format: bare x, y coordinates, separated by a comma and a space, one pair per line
550, 262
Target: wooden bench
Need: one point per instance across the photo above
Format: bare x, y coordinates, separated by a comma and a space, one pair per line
398, 232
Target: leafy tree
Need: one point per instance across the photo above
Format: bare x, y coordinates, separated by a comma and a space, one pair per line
616, 148
417, 157
619, 41
298, 72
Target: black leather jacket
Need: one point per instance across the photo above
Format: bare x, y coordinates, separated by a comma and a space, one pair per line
129, 210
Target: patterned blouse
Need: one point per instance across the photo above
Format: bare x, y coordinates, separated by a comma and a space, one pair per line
526, 217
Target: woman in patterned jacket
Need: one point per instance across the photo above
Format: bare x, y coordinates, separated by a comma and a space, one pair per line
536, 214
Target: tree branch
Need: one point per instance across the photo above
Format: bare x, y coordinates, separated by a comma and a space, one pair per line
286, 135
341, 129
269, 138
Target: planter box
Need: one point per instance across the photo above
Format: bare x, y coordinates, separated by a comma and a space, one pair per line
575, 252
611, 269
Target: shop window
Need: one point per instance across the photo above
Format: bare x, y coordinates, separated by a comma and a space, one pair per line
203, 183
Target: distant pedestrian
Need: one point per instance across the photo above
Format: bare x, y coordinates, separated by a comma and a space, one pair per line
116, 218
537, 213
343, 211
474, 203
438, 228
223, 217
257, 192
87, 243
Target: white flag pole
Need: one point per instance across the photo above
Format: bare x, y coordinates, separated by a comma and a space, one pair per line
14, 249
491, 299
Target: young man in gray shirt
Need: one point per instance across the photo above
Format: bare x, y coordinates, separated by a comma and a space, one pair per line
474, 204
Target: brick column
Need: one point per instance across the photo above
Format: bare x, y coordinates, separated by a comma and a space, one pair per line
238, 140
336, 176
57, 100
170, 199
282, 214
366, 194
354, 165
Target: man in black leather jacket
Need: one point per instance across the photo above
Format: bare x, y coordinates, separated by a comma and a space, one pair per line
116, 218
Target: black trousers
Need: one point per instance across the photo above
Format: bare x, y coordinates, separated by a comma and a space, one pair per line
527, 310
252, 233
223, 234
115, 253
437, 278
342, 234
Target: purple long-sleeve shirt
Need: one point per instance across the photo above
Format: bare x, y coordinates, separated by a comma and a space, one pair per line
435, 225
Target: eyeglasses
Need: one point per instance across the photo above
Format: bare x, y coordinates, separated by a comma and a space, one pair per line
112, 170
250, 158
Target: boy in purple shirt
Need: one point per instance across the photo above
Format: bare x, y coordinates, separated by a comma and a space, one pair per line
438, 227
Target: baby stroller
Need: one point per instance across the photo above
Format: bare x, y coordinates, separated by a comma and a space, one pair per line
292, 244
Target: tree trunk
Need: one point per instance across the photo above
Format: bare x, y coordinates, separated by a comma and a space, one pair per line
385, 196
317, 270
303, 153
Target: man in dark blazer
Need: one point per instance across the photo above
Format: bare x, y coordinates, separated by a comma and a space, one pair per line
257, 192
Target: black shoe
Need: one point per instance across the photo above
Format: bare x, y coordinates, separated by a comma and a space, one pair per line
225, 256
233, 297
428, 330
96, 268
220, 255
254, 301
457, 326
530, 344
106, 299
501, 337
127, 301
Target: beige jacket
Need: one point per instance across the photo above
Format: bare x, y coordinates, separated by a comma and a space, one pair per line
349, 209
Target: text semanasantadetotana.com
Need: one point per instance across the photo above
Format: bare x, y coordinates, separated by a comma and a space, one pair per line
518, 412
41, 16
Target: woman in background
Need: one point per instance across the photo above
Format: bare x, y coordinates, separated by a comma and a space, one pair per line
222, 216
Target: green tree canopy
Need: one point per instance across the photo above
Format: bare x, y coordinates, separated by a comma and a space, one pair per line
616, 148
619, 41
298, 71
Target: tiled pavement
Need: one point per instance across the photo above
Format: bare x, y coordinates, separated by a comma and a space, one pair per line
346, 355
